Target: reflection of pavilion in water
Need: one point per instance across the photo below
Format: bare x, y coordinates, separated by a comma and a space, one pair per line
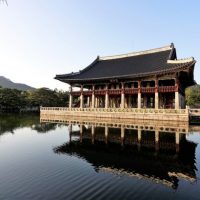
160, 154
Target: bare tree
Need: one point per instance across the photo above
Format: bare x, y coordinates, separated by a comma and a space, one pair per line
4, 1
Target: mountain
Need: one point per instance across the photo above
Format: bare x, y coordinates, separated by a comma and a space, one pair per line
7, 83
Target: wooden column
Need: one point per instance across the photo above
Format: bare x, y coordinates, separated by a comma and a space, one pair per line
122, 96
139, 94
156, 95
81, 97
70, 97
93, 96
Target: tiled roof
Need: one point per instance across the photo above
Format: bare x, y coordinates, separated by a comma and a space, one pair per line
137, 64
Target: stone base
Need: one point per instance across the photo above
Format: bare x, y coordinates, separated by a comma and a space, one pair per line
140, 114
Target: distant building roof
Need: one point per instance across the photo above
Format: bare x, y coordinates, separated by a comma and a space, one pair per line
131, 65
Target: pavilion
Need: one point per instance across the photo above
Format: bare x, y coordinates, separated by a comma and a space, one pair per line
147, 79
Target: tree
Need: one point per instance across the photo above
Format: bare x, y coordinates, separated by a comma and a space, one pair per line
15, 100
4, 1
10, 99
192, 95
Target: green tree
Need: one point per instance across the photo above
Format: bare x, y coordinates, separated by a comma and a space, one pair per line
11, 99
192, 95
15, 100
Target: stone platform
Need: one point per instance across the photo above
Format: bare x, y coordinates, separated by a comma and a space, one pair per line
181, 115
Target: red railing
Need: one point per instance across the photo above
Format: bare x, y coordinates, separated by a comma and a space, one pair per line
114, 91
131, 90
167, 89
161, 89
100, 92
147, 89
76, 93
87, 93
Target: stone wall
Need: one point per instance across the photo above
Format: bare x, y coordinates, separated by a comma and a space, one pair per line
141, 114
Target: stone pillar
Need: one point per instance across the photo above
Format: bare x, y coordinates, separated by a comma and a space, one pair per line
70, 97
177, 100
139, 94
81, 97
106, 98
122, 96
106, 134
156, 95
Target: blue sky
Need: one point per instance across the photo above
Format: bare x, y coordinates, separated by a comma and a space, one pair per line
42, 38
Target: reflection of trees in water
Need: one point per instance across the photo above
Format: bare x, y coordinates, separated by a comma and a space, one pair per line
45, 127
11, 122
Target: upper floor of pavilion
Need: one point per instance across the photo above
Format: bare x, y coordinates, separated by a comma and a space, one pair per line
159, 63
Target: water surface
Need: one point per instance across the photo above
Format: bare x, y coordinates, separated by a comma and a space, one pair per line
90, 160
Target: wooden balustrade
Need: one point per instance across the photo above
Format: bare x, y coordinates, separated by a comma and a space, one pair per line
147, 89
76, 93
88, 93
161, 89
127, 110
131, 90
100, 92
167, 89
114, 91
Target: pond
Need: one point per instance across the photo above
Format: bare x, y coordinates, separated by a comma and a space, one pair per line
85, 159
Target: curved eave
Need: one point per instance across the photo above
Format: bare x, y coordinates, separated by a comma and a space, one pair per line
177, 67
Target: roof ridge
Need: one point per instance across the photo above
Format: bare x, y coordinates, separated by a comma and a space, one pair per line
182, 60
149, 51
